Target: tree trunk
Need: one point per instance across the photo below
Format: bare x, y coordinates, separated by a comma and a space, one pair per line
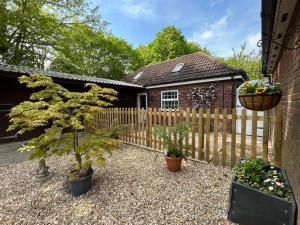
42, 170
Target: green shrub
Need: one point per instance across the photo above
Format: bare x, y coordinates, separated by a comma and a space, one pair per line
173, 139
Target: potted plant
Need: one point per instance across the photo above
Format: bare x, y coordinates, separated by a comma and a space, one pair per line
260, 194
77, 111
88, 149
38, 112
56, 107
259, 95
173, 142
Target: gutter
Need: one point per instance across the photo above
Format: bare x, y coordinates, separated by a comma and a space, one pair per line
268, 10
179, 83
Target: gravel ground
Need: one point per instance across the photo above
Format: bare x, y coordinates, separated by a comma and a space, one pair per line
9, 153
133, 188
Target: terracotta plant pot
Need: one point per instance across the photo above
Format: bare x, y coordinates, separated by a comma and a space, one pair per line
174, 165
259, 102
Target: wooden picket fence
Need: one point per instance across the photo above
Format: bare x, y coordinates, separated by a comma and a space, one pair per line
212, 133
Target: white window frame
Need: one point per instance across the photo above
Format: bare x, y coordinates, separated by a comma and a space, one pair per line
171, 99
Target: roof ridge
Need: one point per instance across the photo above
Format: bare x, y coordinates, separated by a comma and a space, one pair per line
168, 60
194, 53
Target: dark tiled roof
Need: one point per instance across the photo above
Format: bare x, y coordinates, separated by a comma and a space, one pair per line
197, 66
64, 76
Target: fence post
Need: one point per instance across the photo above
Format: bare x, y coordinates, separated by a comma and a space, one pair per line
193, 133
187, 115
224, 136
132, 126
254, 134
200, 134
265, 152
164, 125
147, 127
154, 126
233, 138
216, 123
207, 135
277, 136
159, 124
143, 126
150, 127
243, 133
135, 125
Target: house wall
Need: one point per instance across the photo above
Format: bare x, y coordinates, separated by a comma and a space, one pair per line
225, 91
288, 74
12, 93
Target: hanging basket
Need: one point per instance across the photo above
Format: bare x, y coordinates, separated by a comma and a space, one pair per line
259, 102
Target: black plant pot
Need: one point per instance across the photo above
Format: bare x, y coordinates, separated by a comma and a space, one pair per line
81, 185
249, 206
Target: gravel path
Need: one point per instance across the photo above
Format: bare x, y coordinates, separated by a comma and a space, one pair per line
9, 153
133, 188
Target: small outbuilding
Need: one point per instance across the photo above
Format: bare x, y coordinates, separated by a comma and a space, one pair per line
190, 81
12, 92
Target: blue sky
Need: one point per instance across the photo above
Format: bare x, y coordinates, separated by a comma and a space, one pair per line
219, 25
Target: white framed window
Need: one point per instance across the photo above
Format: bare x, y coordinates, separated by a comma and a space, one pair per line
170, 99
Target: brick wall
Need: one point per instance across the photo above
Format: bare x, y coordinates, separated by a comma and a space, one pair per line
288, 74
225, 91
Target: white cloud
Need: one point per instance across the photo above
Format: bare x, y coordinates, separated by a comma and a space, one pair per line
135, 8
211, 32
220, 23
207, 34
252, 40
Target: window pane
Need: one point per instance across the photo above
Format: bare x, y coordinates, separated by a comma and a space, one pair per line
169, 95
172, 104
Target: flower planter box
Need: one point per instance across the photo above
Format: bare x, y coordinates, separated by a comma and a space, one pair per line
259, 102
249, 206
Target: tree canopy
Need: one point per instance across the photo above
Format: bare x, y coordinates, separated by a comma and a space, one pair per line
248, 61
86, 51
168, 43
30, 28
70, 36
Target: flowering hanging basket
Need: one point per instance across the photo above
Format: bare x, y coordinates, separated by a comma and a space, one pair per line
259, 102
259, 96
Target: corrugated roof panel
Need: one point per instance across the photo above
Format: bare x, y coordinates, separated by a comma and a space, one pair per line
26, 70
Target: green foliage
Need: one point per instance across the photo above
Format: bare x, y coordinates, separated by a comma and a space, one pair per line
116, 131
30, 28
87, 51
43, 106
90, 148
250, 62
257, 174
173, 145
168, 43
60, 109
39, 147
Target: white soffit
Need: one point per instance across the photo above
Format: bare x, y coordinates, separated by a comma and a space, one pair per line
284, 12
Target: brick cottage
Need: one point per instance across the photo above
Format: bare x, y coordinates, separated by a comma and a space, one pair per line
169, 84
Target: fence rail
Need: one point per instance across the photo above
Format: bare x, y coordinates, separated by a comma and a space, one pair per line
212, 133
